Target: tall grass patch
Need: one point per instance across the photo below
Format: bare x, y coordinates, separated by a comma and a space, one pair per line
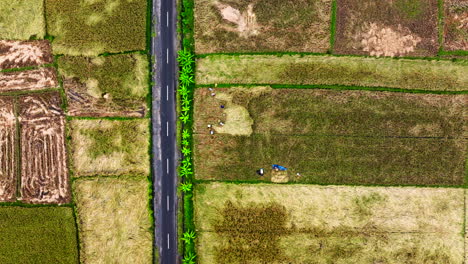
94, 27
114, 221
329, 70
262, 25
37, 235
22, 19
105, 86
310, 227
109, 147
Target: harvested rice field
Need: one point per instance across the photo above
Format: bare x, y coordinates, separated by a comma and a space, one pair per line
37, 235
387, 28
17, 54
262, 25
109, 147
114, 220
105, 86
265, 223
404, 74
456, 25
90, 28
8, 159
29, 80
330, 137
22, 19
44, 171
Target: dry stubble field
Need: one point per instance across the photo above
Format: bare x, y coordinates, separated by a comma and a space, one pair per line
456, 25
240, 223
8, 158
44, 171
113, 220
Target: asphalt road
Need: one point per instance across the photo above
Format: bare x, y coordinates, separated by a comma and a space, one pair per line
163, 48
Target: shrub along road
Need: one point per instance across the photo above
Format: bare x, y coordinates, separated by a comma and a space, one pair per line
164, 126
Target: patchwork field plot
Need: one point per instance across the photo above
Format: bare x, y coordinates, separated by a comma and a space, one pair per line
327, 136
105, 86
239, 223
16, 54
456, 25
262, 25
93, 27
110, 147
29, 80
8, 169
22, 19
387, 28
37, 235
44, 173
114, 220
328, 70
261, 110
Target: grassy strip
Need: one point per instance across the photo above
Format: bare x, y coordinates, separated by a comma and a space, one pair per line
440, 25
27, 68
329, 70
253, 182
302, 54
333, 26
331, 160
331, 87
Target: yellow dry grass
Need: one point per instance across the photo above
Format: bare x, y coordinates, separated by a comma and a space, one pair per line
21, 19
130, 140
375, 223
114, 220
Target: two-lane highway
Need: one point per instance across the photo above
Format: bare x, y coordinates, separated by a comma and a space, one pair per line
163, 48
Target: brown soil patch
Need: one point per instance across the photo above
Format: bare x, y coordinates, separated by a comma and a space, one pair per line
387, 28
385, 41
7, 150
31, 80
456, 25
246, 21
16, 54
44, 174
82, 103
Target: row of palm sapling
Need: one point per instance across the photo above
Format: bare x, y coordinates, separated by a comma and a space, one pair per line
186, 86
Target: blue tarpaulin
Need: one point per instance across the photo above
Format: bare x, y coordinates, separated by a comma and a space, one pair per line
276, 166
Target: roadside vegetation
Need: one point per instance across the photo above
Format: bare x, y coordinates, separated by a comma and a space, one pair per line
262, 25
327, 70
37, 235
109, 147
94, 27
301, 224
105, 86
22, 19
114, 221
